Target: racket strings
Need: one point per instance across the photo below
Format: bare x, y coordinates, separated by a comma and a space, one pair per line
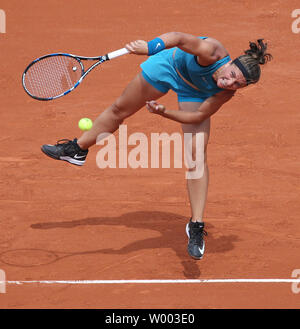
52, 76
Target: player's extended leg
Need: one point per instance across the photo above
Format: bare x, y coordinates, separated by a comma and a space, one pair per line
197, 185
132, 99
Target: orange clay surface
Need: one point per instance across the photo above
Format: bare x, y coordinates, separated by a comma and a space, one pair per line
117, 224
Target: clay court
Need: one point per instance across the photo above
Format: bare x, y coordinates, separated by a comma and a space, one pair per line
65, 223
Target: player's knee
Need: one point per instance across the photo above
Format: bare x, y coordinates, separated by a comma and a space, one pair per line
199, 154
119, 112
116, 111
196, 159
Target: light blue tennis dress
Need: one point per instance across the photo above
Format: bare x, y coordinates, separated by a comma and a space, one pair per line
160, 70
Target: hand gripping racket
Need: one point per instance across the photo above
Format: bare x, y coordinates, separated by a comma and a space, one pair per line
55, 75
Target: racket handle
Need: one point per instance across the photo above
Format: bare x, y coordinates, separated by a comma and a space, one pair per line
117, 53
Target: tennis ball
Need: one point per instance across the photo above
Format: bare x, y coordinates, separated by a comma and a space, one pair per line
85, 124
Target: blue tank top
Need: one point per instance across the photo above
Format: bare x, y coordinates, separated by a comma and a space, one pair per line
198, 75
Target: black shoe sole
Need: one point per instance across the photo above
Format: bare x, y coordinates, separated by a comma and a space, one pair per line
53, 157
196, 258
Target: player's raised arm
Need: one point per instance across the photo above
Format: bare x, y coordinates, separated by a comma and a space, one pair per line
187, 42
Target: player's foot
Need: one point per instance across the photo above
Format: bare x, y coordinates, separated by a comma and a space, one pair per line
66, 150
196, 244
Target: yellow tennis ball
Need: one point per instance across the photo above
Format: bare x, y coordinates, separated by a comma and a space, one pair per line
85, 124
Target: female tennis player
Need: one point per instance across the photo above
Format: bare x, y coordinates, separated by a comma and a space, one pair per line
202, 74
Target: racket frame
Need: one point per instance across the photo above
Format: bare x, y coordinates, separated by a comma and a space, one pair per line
99, 59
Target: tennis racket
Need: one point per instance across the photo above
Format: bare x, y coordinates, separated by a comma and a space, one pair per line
56, 75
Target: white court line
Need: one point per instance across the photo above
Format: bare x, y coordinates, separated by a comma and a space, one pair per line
83, 282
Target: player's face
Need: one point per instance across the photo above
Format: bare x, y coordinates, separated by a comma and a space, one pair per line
231, 78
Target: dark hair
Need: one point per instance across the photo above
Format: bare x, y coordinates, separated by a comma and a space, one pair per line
253, 58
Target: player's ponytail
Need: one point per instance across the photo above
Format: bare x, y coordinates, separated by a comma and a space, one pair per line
258, 51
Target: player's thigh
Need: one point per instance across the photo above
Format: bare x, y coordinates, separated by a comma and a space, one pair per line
135, 95
201, 128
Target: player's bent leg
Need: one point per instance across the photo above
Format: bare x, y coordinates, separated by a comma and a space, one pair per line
133, 98
197, 186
